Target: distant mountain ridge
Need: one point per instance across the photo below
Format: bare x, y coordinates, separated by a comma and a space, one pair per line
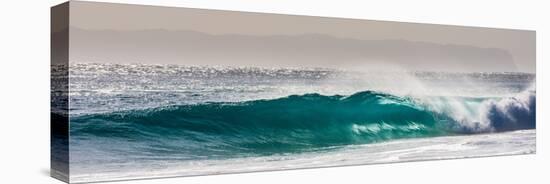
308, 50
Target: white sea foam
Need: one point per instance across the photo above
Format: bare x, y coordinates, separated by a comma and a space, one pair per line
480, 145
488, 114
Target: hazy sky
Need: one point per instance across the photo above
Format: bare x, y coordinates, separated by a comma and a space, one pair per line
102, 20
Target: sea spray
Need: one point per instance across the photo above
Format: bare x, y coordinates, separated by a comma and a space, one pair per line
481, 115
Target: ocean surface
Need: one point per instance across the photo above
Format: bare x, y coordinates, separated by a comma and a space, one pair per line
139, 121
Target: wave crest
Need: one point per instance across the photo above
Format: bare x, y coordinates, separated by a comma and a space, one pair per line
513, 113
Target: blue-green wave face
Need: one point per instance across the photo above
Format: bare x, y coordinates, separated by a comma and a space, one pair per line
291, 124
294, 123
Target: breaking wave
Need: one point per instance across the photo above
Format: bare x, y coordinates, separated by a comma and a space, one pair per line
305, 122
